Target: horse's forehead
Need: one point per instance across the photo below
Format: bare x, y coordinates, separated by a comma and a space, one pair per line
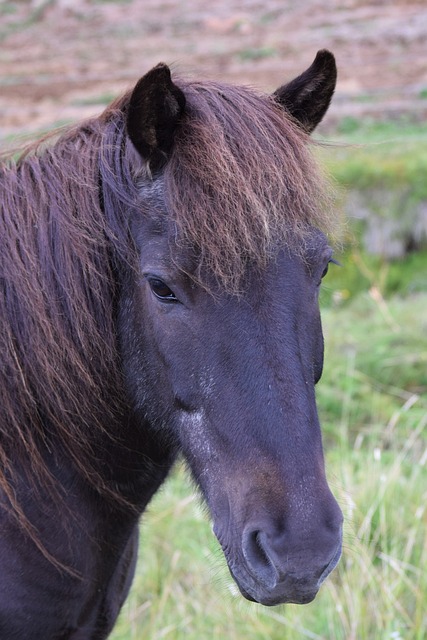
157, 236
151, 219
316, 244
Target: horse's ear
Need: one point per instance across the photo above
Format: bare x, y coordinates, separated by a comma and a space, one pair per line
155, 107
308, 96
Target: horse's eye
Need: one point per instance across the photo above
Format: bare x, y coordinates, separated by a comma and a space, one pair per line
161, 290
326, 269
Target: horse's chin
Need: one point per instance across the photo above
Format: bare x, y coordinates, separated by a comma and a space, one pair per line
270, 601
280, 594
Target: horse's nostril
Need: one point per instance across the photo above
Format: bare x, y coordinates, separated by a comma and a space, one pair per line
298, 564
255, 552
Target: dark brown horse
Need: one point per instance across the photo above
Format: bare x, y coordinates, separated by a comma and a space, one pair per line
159, 277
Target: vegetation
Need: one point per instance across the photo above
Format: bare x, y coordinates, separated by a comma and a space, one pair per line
376, 154
385, 165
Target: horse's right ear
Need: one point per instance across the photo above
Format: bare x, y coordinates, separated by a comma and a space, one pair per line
155, 107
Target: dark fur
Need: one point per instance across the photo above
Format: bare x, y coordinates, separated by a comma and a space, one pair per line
83, 448
308, 96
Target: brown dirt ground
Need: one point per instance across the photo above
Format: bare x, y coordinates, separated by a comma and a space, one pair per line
61, 60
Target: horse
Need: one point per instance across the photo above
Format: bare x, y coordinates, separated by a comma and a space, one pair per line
160, 269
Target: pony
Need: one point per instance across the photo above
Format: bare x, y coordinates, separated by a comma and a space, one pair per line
160, 268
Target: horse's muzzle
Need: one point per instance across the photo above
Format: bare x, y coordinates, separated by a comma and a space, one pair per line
275, 568
270, 584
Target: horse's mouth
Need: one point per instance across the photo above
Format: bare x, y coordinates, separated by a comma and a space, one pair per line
282, 593
273, 600
289, 588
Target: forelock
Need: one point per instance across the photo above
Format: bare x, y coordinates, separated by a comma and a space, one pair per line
241, 182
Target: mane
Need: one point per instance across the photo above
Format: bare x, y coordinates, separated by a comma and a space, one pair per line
242, 180
60, 375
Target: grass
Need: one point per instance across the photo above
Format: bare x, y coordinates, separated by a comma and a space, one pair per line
382, 169
373, 404
379, 155
359, 271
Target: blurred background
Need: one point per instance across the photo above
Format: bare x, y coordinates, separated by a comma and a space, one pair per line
63, 60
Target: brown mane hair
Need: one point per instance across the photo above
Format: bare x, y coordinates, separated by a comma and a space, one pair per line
60, 375
240, 182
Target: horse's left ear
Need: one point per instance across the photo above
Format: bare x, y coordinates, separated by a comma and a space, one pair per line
155, 107
308, 96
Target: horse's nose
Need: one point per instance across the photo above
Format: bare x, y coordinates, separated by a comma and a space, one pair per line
258, 556
293, 563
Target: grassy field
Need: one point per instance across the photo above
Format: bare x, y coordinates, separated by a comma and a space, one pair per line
373, 406
391, 154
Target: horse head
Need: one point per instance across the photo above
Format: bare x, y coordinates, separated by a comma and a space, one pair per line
226, 369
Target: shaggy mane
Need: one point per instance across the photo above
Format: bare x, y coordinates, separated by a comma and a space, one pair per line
242, 180
60, 379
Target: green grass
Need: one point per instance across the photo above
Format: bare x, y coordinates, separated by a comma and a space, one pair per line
380, 169
379, 155
373, 404
358, 272
376, 362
